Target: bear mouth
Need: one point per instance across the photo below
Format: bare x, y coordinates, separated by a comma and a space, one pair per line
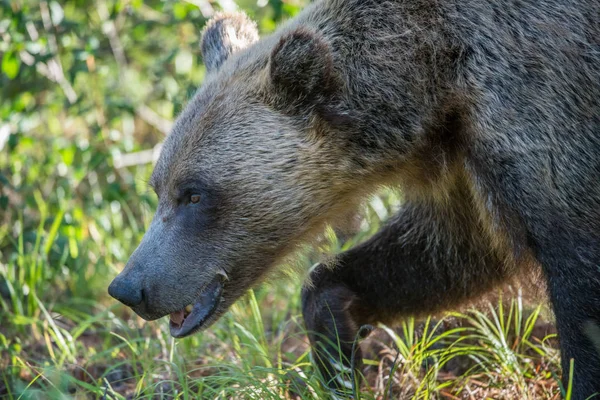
191, 318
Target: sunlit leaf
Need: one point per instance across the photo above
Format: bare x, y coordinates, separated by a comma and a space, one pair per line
10, 64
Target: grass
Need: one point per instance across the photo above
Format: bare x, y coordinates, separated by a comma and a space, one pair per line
62, 337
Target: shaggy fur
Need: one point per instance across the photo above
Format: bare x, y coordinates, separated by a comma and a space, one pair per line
485, 112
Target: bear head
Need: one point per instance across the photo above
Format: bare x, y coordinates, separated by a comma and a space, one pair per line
257, 163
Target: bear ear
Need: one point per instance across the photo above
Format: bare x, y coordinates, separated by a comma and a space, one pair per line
225, 34
301, 67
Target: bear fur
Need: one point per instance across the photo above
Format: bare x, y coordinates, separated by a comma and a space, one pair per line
486, 113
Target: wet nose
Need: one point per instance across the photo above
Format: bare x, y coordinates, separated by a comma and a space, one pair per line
126, 290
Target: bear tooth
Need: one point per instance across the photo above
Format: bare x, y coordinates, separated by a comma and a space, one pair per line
223, 274
188, 308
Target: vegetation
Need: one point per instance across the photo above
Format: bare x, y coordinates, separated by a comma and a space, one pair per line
87, 92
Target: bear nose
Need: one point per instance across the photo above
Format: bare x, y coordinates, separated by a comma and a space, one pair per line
126, 290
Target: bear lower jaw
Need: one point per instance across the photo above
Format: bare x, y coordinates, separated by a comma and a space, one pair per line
190, 319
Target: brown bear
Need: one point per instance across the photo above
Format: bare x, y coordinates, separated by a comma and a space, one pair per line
485, 112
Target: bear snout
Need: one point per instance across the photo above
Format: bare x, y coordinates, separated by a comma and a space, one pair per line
132, 293
128, 291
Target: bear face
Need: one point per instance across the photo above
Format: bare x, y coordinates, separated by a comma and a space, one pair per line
244, 177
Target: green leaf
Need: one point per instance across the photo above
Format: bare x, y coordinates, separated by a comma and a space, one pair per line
10, 64
3, 202
68, 155
180, 10
4, 180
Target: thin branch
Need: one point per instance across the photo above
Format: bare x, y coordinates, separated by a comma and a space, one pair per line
110, 30
227, 5
152, 118
4, 135
138, 158
54, 66
142, 110
206, 9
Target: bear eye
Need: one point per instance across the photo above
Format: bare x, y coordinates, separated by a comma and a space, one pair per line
195, 198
